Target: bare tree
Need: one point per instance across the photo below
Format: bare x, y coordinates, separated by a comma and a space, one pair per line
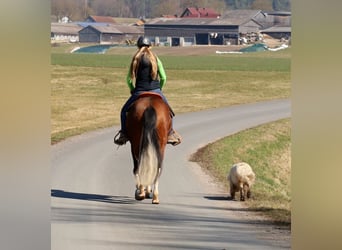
103, 7
218, 5
74, 10
79, 9
193, 3
262, 5
166, 7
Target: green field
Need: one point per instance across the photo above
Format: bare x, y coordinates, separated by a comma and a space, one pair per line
216, 63
88, 91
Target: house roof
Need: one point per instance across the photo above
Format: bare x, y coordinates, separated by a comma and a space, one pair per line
230, 17
277, 29
85, 24
65, 28
241, 16
169, 16
101, 19
193, 12
139, 23
179, 21
107, 29
201, 21
117, 29
278, 13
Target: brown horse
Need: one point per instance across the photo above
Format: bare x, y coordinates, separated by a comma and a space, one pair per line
148, 124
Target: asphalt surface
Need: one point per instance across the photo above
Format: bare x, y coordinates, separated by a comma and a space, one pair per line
92, 191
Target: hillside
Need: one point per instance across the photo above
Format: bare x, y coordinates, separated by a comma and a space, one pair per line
78, 10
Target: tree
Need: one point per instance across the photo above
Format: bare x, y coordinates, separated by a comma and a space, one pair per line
78, 10
74, 10
218, 5
166, 7
243, 4
262, 5
284, 5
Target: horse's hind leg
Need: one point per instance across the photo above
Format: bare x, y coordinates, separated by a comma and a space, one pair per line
140, 190
140, 193
148, 194
155, 199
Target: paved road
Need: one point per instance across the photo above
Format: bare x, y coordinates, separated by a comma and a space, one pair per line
92, 192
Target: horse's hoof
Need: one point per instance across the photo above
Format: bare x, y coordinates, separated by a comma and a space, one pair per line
148, 195
139, 196
155, 201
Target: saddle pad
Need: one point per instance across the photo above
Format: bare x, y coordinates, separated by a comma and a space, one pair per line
149, 93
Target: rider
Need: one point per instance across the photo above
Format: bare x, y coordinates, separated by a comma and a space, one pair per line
145, 69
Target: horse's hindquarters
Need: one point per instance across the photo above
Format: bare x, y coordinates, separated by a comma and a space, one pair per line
148, 124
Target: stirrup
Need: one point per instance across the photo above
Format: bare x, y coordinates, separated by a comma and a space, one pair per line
120, 138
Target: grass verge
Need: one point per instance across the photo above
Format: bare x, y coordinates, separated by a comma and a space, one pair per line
267, 149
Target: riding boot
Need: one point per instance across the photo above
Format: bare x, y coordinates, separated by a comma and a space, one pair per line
174, 138
120, 138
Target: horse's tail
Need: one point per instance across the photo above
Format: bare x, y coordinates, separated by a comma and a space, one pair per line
150, 156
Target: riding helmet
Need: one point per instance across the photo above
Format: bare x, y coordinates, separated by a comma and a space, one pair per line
143, 41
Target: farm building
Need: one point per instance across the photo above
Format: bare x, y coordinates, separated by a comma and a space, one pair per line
100, 19
232, 28
278, 32
278, 18
277, 25
228, 29
193, 12
109, 33
65, 32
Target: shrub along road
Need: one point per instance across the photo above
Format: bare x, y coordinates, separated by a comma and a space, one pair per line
93, 206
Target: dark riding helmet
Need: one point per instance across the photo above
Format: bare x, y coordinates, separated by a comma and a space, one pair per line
143, 41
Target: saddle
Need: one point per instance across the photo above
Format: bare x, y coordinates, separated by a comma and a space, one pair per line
150, 93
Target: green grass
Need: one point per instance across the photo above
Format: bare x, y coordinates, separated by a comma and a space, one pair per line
88, 90
267, 149
232, 63
216, 63
91, 60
